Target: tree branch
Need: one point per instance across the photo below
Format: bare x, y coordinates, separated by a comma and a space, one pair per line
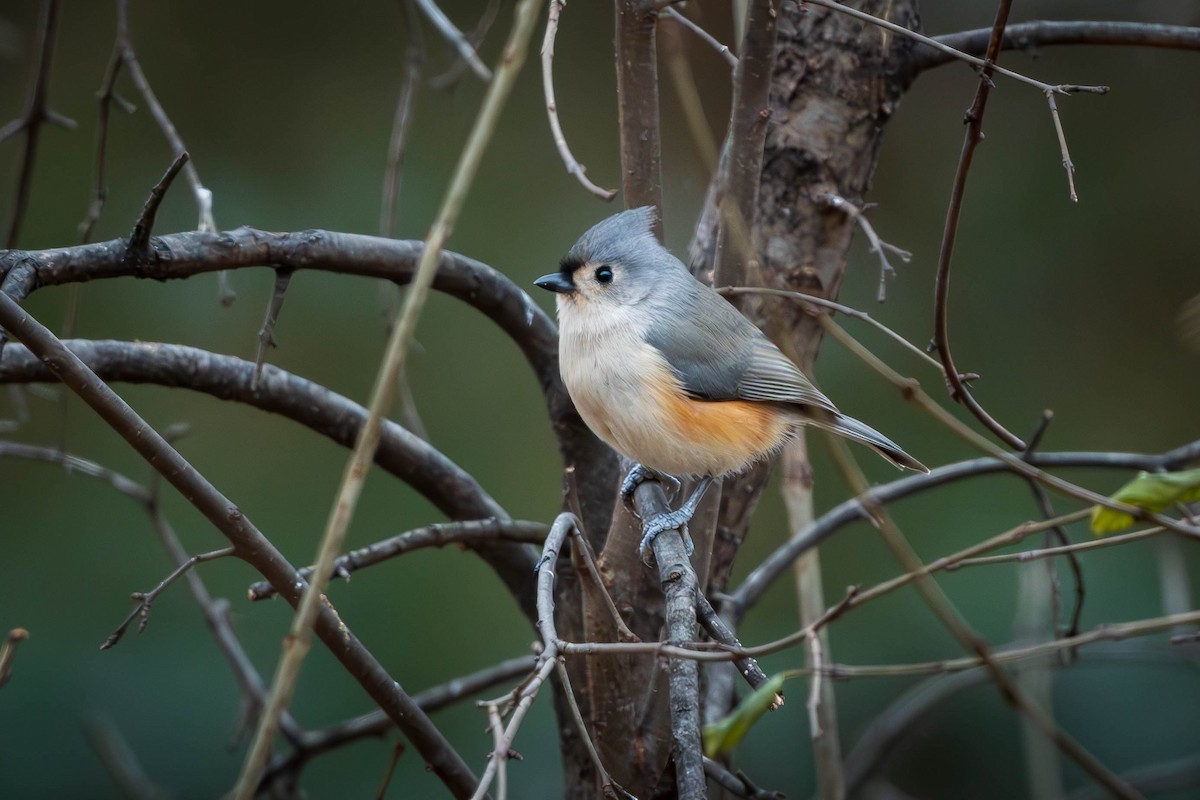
1044, 33
250, 544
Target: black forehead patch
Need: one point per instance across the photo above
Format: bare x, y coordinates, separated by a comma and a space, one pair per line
569, 264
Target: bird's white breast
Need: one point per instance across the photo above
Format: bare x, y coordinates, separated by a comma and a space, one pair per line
630, 397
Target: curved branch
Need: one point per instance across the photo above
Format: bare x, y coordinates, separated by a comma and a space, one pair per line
1039, 33
183, 255
249, 542
777, 563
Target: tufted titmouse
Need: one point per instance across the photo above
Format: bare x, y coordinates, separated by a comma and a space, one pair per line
670, 374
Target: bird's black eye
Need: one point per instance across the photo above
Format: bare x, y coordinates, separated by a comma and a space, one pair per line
604, 274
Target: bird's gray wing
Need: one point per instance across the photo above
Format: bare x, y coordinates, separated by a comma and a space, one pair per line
719, 355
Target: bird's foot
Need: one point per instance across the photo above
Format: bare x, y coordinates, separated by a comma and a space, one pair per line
661, 523
639, 475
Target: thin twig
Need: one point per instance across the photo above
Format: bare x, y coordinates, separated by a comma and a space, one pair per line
139, 237
119, 760
249, 541
720, 632
8, 651
215, 611
987, 64
1039, 33
847, 310
397, 751
705, 36
35, 114
949, 616
875, 244
563, 526
608, 785
438, 535
1068, 165
1051, 552
392, 365
560, 139
739, 785
684, 81
455, 37
146, 599
414, 64
266, 334
941, 334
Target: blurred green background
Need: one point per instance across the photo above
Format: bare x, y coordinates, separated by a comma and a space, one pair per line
287, 108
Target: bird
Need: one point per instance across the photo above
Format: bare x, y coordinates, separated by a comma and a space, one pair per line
671, 375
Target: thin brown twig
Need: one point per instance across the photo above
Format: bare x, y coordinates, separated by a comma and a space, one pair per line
875, 244
145, 600
1039, 33
215, 611
455, 37
8, 652
36, 113
299, 639
1068, 165
609, 787
139, 237
950, 617
941, 335
249, 541
437, 535
414, 64
705, 36
266, 333
563, 526
556, 131
986, 64
720, 632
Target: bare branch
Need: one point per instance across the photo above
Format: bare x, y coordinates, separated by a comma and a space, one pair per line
8, 651
987, 64
1044, 33
941, 334
875, 244
376, 723
145, 600
762, 576
467, 532
739, 785
722, 50
414, 64
560, 139
455, 37
247, 540
139, 237
720, 632
941, 606
266, 334
35, 114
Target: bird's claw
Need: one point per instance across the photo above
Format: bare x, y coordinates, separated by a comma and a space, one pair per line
661, 523
639, 475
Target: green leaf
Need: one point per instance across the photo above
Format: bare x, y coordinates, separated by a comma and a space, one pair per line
721, 737
1153, 491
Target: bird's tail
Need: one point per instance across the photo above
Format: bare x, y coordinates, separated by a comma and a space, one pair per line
861, 432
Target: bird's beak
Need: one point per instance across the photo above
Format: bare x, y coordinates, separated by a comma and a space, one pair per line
556, 282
